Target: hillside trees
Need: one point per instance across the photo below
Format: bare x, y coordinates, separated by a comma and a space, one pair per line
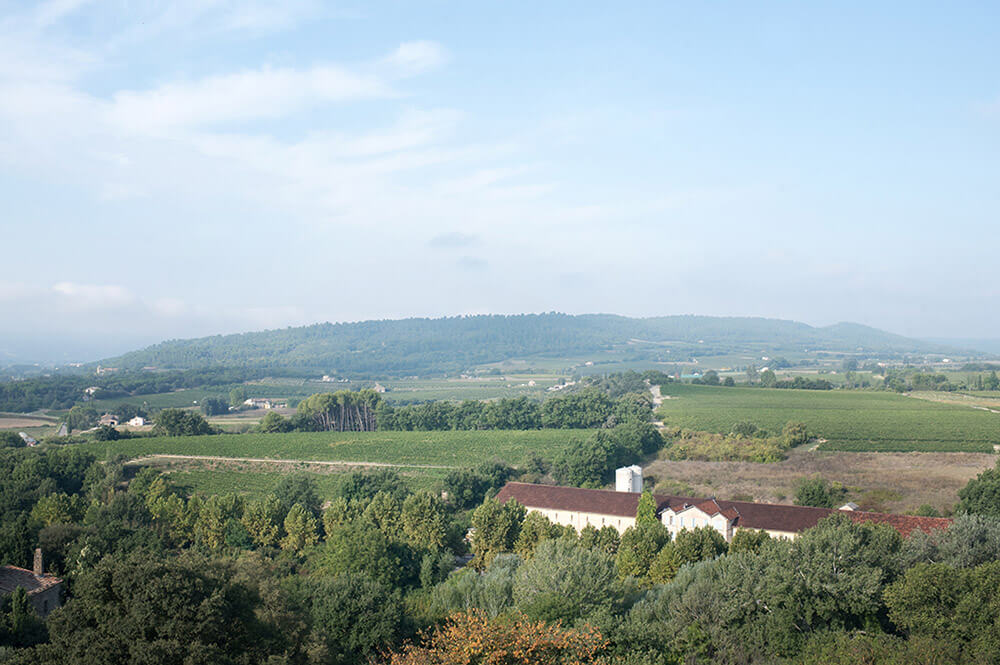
342, 411
180, 422
981, 495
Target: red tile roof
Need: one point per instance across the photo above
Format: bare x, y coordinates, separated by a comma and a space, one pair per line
748, 515
12, 577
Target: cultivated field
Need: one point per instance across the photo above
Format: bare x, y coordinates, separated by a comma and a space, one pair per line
892, 482
418, 449
847, 420
254, 479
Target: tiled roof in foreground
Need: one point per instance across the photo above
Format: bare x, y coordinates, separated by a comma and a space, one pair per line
12, 577
749, 515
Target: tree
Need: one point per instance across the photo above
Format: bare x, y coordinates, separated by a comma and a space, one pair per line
535, 529
587, 464
638, 549
180, 422
496, 528
353, 617
359, 547
274, 423
262, 519
794, 434
471, 638
106, 433
384, 512
214, 406
466, 488
19, 625
585, 580
299, 489
59, 508
210, 525
646, 512
340, 512
425, 521
152, 608
301, 529
950, 605
816, 491
237, 396
748, 540
768, 379
981, 495
690, 546
81, 417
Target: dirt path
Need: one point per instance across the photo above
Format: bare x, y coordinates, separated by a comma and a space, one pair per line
268, 460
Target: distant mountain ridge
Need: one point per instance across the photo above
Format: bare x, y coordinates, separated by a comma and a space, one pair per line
422, 345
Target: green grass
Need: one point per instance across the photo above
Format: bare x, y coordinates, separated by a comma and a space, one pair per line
459, 449
849, 420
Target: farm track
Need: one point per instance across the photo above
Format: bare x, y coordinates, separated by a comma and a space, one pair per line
271, 460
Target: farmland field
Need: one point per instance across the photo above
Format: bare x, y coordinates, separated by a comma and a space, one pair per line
848, 420
452, 449
208, 479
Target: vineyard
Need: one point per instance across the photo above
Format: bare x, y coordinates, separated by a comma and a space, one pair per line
256, 483
848, 420
448, 448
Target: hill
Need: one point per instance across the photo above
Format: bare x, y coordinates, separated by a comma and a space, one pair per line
424, 346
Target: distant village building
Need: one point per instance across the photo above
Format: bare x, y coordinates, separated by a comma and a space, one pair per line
328, 379
576, 507
264, 403
379, 388
44, 591
109, 419
29, 440
91, 390
138, 421
105, 370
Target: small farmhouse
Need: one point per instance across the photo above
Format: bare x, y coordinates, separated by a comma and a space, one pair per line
264, 403
109, 419
579, 508
138, 421
44, 591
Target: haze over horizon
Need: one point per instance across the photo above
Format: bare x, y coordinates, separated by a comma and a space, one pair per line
190, 168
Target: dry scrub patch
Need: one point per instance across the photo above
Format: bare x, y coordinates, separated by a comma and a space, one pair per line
898, 482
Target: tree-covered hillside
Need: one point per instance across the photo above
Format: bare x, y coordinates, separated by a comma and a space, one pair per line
421, 346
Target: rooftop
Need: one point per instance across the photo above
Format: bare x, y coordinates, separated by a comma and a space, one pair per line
12, 577
748, 515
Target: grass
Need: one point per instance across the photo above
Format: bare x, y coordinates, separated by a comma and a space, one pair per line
848, 420
453, 449
893, 482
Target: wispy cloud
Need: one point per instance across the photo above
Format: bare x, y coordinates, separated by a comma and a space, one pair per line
262, 93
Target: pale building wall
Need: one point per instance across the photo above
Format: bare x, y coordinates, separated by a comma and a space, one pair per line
579, 520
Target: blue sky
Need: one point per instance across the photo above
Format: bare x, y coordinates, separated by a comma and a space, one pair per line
196, 167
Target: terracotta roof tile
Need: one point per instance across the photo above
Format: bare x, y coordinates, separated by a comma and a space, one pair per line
12, 577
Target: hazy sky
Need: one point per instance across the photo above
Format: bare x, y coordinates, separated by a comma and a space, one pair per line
192, 167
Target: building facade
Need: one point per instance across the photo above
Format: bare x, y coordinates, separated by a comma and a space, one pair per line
576, 507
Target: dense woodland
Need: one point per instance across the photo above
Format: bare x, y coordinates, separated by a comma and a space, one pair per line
449, 345
155, 576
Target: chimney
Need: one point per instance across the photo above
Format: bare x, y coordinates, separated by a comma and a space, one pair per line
39, 569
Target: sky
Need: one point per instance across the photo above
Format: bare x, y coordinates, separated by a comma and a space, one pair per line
194, 167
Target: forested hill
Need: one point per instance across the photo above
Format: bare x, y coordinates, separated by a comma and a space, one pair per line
421, 346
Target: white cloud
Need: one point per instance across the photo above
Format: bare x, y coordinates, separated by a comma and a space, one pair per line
262, 93
416, 57
93, 296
